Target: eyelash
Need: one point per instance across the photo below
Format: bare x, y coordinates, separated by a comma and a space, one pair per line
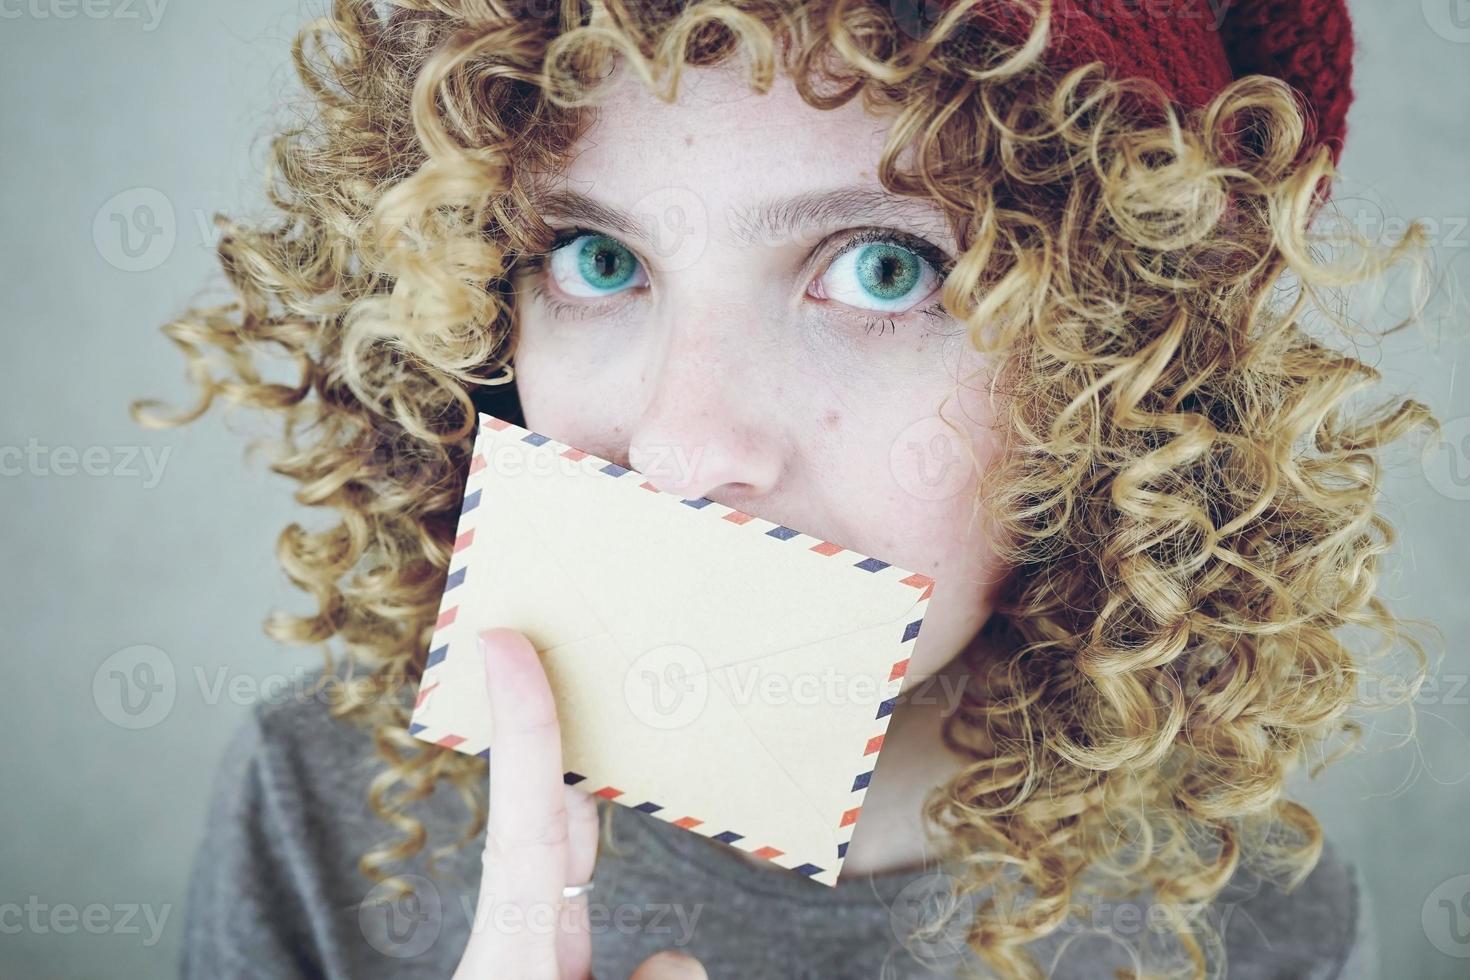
926, 251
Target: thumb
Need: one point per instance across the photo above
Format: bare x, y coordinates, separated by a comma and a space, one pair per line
670, 964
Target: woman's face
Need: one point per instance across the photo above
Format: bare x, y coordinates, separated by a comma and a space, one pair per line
713, 319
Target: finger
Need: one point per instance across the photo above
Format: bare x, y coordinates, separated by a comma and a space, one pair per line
583, 834
526, 853
575, 948
670, 964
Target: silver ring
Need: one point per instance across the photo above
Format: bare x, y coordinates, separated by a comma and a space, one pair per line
572, 891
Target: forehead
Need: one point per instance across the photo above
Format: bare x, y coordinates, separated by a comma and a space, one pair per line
717, 106
731, 152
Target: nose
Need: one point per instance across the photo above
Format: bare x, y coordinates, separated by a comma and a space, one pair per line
707, 427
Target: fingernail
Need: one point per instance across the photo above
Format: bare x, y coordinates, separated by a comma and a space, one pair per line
486, 639
482, 643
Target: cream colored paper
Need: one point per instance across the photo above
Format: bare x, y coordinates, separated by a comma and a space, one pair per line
730, 681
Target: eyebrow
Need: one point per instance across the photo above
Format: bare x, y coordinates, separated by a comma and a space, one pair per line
769, 221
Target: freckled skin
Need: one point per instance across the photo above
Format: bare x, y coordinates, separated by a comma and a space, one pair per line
778, 404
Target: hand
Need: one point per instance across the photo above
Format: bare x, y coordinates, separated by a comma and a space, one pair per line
541, 836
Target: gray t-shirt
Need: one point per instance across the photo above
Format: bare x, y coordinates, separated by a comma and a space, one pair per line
275, 892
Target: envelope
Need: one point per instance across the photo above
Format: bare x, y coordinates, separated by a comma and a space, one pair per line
729, 675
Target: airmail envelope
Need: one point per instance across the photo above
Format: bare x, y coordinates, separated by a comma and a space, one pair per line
731, 676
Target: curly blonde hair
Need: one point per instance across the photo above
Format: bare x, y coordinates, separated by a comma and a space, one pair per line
1187, 499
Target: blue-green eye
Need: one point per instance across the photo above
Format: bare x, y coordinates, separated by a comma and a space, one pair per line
592, 265
882, 276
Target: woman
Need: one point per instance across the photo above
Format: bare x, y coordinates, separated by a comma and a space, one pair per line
991, 292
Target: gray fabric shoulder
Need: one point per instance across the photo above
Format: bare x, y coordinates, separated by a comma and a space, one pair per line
1322, 930
1362, 961
244, 917
274, 891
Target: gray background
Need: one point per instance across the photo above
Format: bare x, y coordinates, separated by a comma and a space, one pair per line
110, 108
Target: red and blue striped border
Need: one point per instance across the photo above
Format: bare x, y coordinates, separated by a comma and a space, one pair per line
449, 609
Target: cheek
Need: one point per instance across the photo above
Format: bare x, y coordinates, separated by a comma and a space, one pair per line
932, 466
967, 576
572, 397
545, 399
934, 526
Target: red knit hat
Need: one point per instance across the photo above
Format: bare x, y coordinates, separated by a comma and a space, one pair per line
1193, 48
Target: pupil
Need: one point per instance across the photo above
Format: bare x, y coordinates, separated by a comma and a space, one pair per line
604, 263
886, 272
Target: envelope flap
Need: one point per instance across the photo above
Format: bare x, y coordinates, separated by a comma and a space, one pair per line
782, 579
